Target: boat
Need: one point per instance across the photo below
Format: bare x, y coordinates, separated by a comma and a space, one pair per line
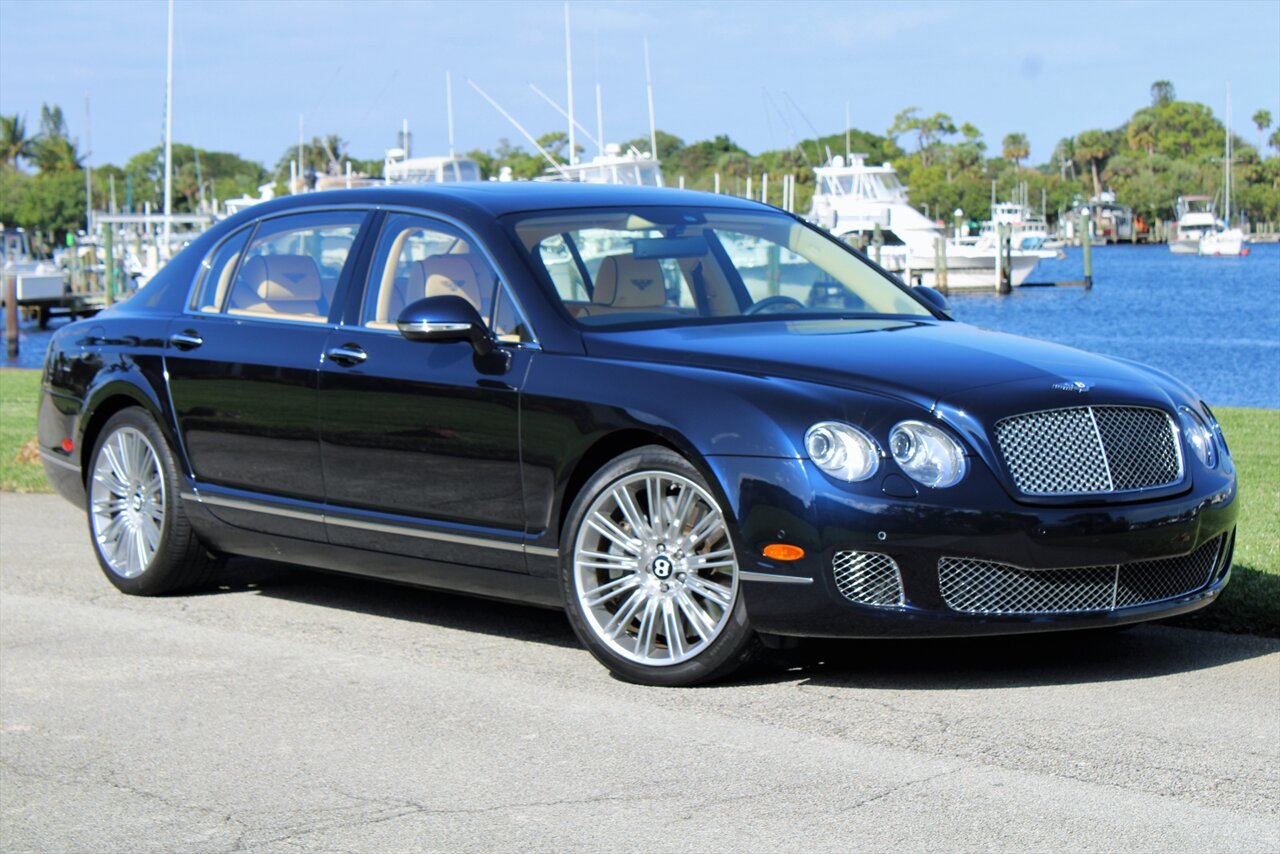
1196, 218
615, 166
1223, 240
1030, 230
398, 168
35, 281
856, 201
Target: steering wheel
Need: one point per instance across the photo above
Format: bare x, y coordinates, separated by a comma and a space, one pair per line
773, 303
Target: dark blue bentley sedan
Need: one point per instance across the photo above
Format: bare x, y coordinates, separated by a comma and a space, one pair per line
696, 423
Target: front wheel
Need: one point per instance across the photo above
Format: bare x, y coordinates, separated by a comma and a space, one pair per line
140, 533
650, 573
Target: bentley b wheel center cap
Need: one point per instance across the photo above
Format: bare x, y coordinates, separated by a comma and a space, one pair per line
662, 567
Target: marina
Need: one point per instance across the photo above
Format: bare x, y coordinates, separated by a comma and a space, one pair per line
1212, 322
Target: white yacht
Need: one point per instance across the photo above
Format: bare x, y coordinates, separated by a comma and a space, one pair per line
613, 167
852, 198
398, 168
1030, 230
1223, 239
1196, 218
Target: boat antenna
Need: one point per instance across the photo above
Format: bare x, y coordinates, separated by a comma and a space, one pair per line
599, 120
448, 100
168, 141
483, 94
561, 110
648, 85
791, 131
568, 65
796, 107
848, 149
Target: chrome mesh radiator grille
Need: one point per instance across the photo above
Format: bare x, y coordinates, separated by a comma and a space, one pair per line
1090, 449
867, 578
975, 586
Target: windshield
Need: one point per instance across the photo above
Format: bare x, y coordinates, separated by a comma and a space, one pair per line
693, 265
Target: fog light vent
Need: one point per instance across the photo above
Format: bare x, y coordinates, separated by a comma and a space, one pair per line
868, 578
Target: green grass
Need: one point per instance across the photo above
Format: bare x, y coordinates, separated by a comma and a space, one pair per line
1250, 604
19, 396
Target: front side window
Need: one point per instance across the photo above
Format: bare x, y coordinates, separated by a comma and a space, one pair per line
686, 265
418, 257
291, 269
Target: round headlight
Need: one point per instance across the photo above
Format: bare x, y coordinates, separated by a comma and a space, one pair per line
842, 450
927, 454
1199, 437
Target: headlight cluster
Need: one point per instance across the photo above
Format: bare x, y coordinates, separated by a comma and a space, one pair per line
925, 453
1200, 438
842, 451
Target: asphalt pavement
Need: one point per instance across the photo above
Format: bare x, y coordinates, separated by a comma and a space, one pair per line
294, 710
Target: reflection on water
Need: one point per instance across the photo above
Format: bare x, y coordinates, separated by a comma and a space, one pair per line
1212, 322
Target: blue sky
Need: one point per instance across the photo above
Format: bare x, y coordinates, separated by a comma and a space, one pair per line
244, 71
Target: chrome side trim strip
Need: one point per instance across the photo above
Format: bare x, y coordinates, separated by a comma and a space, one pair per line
253, 507
542, 551
777, 579
50, 457
381, 527
405, 531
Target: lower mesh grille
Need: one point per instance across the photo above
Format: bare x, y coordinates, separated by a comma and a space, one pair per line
867, 578
975, 586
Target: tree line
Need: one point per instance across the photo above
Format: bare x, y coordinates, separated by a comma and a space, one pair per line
1166, 149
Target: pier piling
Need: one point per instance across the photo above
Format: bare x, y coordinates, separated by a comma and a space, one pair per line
11, 315
1087, 245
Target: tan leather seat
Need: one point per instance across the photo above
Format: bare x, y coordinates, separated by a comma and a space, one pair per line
280, 284
445, 275
626, 283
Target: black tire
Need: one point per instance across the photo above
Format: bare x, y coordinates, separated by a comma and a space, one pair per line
177, 561
732, 644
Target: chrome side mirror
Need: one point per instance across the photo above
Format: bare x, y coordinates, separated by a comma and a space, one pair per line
446, 318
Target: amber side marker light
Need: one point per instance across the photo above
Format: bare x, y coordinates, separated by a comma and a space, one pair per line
781, 551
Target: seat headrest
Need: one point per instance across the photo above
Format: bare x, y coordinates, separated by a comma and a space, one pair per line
283, 277
625, 281
446, 275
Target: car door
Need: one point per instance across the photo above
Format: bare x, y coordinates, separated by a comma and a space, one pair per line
243, 365
420, 440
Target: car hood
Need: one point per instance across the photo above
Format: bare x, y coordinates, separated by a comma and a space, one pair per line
922, 361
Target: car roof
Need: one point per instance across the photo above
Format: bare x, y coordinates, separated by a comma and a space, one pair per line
502, 197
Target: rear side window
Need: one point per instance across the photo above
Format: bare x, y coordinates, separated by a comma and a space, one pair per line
216, 271
291, 269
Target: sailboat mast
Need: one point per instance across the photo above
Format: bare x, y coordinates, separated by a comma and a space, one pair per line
1226, 166
648, 85
848, 149
168, 141
448, 99
568, 66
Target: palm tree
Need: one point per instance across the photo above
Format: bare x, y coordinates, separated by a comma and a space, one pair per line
1091, 147
1015, 148
15, 145
1262, 119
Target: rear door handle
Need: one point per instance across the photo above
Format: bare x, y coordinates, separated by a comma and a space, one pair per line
187, 339
347, 355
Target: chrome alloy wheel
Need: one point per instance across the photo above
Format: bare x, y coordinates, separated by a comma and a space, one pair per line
654, 568
127, 502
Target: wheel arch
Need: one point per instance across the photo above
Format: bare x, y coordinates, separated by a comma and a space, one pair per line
104, 402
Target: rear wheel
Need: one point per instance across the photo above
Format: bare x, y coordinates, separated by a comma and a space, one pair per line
651, 573
140, 533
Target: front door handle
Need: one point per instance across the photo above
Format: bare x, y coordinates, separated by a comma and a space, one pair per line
187, 339
347, 355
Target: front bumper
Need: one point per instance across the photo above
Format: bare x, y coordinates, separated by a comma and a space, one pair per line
789, 501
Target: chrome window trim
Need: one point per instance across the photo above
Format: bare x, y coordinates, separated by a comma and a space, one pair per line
362, 525
198, 281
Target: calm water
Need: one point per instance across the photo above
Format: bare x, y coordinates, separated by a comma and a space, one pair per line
1212, 322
